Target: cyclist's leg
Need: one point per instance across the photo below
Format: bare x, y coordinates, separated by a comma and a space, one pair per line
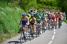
46, 25
55, 25
27, 32
31, 31
50, 24
43, 27
24, 37
59, 25
34, 29
38, 29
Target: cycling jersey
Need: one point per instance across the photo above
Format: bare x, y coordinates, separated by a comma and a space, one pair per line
24, 22
44, 15
38, 17
33, 20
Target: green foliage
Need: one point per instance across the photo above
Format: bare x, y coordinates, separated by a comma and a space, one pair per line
9, 18
65, 21
47, 2
63, 5
27, 4
9, 21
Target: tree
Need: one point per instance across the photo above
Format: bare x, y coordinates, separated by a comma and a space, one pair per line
63, 5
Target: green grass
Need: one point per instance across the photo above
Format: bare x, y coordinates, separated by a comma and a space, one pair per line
9, 22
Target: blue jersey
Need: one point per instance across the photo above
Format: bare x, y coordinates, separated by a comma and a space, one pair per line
44, 15
24, 22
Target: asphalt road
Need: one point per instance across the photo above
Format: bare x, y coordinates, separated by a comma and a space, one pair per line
56, 36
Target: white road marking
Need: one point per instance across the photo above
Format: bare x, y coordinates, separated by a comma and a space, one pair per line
50, 42
53, 37
54, 33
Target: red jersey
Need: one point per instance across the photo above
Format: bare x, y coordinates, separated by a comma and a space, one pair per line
54, 18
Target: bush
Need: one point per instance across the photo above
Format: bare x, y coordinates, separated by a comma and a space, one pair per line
9, 20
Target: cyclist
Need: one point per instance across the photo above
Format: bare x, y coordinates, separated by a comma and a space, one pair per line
33, 25
54, 18
44, 21
59, 20
38, 16
38, 26
25, 23
50, 20
32, 22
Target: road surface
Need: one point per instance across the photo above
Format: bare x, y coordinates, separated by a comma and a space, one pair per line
56, 36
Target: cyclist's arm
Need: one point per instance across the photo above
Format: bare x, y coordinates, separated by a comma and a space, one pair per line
28, 21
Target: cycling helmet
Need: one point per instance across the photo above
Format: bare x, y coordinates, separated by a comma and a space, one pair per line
24, 14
